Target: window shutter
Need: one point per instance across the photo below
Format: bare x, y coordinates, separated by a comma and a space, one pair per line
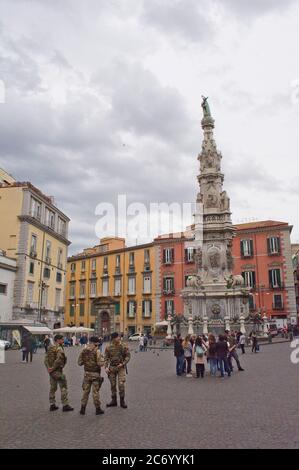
186, 254
165, 304
135, 306
128, 308
243, 274
172, 255
164, 256
151, 304
270, 278
242, 248
253, 278
251, 247
278, 277
278, 244
143, 309
268, 245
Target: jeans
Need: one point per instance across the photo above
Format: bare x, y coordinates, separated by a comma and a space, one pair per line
200, 370
179, 364
188, 361
222, 361
234, 355
242, 348
213, 365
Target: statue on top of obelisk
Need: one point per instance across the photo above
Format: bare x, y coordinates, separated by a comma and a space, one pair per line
205, 107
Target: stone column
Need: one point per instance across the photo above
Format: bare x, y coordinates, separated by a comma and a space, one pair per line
227, 325
190, 326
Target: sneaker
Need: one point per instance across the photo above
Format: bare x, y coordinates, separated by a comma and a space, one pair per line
189, 375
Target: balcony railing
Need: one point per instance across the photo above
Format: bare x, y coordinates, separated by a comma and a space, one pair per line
278, 306
277, 286
168, 291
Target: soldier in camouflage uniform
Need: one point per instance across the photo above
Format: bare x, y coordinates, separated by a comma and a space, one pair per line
92, 360
116, 358
55, 361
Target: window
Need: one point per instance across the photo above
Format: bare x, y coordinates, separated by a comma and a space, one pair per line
81, 309
146, 257
169, 307
249, 278
168, 255
131, 309
59, 258
72, 289
58, 277
189, 255
33, 246
3, 289
117, 261
275, 278
105, 287
47, 273
105, 263
48, 251
146, 308
131, 259
31, 267
168, 284
147, 284
251, 302
82, 288
93, 288
73, 267
57, 298
273, 245
246, 248
117, 308
35, 209
277, 301
93, 264
83, 263
117, 287
50, 218
72, 310
61, 227
132, 285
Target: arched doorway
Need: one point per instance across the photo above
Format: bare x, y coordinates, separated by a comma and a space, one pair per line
105, 323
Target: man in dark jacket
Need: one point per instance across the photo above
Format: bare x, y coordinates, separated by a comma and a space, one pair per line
222, 351
179, 354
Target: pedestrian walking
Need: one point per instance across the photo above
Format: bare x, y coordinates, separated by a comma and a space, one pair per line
222, 353
242, 342
29, 344
141, 342
232, 342
55, 361
254, 342
145, 341
46, 343
92, 360
188, 355
212, 354
117, 356
179, 354
198, 354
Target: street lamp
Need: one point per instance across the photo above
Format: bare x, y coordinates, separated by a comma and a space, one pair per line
42, 287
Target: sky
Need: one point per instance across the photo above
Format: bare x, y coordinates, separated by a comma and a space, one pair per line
103, 98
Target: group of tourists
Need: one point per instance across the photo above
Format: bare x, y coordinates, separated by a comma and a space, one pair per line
202, 350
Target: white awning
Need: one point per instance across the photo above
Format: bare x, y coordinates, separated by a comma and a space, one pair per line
162, 323
38, 330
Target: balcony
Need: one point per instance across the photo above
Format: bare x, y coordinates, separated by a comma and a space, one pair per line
168, 291
146, 292
59, 265
33, 253
48, 260
247, 255
117, 270
131, 268
277, 286
147, 267
36, 215
274, 253
278, 306
117, 294
131, 293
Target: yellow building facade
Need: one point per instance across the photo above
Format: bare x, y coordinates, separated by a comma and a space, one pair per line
35, 233
112, 287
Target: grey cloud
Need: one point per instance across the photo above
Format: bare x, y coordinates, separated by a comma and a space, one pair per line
178, 17
254, 8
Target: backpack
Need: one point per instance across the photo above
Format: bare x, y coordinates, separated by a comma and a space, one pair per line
199, 351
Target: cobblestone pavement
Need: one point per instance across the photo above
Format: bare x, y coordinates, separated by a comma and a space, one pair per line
257, 408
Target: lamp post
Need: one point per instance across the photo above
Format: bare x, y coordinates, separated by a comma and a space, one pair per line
42, 286
75, 305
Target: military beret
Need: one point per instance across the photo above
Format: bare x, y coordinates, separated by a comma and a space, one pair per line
114, 335
57, 337
94, 339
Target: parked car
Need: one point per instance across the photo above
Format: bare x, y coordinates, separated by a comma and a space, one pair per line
134, 337
4, 344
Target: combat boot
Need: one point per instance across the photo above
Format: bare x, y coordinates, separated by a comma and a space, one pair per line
122, 402
82, 411
99, 411
113, 402
67, 408
54, 408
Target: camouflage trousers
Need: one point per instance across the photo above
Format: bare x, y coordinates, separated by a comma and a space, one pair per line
92, 380
58, 378
121, 375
